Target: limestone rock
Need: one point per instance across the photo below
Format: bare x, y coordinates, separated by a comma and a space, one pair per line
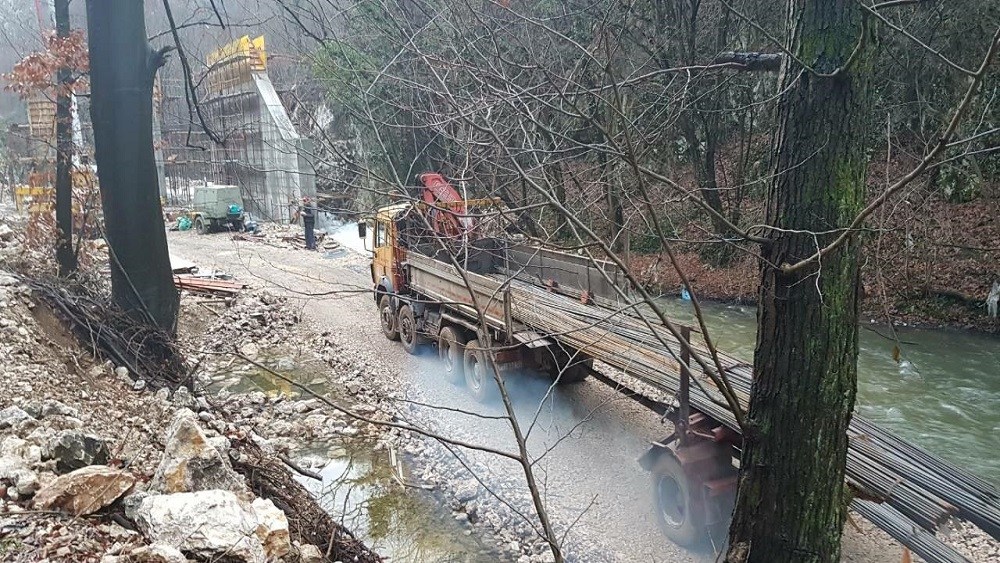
11, 416
272, 528
23, 481
191, 463
13, 446
309, 553
52, 407
183, 399
212, 524
73, 449
85, 490
156, 553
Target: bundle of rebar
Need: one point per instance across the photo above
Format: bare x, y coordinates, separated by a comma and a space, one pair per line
924, 488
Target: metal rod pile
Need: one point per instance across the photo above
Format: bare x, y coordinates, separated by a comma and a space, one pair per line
922, 542
925, 488
921, 489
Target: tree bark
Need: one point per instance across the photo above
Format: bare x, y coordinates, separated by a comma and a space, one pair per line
791, 502
64, 153
122, 68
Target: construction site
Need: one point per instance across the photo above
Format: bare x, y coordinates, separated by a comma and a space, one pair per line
240, 135
482, 361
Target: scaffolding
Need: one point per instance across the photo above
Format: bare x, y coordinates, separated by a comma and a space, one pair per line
259, 149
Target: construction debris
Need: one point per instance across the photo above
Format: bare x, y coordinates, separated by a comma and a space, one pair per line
208, 285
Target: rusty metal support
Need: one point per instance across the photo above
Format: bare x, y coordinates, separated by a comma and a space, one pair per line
508, 316
684, 394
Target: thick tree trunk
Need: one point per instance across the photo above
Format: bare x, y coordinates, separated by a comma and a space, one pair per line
122, 67
791, 502
64, 154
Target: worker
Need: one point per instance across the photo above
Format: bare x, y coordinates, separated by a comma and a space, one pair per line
308, 213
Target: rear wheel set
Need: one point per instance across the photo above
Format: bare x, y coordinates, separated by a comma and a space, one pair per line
479, 374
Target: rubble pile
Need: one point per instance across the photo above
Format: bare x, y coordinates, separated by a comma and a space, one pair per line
94, 469
256, 321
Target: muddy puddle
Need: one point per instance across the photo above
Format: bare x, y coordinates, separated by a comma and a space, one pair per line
369, 493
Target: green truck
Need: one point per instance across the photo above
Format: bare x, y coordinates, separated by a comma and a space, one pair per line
217, 208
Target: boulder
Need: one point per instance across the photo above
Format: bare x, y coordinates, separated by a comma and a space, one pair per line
6, 233
85, 490
13, 446
52, 407
73, 449
22, 481
191, 463
11, 416
214, 524
156, 553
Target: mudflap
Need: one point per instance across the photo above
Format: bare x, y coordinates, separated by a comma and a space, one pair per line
648, 459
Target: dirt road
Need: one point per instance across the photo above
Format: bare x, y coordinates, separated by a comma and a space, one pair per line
590, 436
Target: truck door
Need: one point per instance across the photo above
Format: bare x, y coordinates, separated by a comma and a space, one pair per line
382, 261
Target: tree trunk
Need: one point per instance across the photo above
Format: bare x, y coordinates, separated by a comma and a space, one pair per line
122, 67
64, 154
791, 502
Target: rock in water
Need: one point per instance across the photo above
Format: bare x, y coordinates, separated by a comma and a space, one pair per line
214, 525
190, 462
85, 490
73, 449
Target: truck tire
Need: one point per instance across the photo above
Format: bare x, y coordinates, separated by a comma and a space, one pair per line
387, 319
199, 226
479, 373
451, 352
406, 325
679, 511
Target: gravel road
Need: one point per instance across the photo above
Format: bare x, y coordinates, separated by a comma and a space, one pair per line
596, 492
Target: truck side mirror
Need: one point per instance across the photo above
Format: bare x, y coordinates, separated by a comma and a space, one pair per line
362, 229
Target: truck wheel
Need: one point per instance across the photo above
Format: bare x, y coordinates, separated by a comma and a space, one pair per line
451, 352
479, 372
680, 512
387, 318
407, 327
200, 227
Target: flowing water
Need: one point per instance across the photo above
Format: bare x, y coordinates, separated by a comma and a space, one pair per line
943, 394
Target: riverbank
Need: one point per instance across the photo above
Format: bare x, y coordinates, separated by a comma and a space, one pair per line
887, 298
